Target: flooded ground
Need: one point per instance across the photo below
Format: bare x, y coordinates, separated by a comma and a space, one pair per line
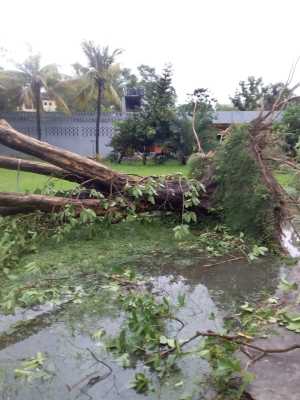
64, 334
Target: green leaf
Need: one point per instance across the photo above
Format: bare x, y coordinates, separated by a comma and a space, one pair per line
286, 286
246, 307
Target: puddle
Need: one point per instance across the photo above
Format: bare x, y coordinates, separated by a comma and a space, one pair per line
64, 334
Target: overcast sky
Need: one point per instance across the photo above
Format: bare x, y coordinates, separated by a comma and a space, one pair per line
210, 43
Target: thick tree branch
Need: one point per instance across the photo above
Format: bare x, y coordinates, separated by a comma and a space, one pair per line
18, 164
238, 339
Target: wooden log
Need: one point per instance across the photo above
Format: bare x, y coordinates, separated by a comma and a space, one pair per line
104, 178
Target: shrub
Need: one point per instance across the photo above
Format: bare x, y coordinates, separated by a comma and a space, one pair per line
244, 197
196, 165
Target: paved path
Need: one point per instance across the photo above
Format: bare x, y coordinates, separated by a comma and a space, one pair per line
277, 376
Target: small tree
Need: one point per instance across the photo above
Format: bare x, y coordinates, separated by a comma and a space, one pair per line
158, 109
252, 94
181, 141
201, 109
154, 122
272, 92
249, 94
132, 135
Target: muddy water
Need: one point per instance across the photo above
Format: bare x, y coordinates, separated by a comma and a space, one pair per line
64, 334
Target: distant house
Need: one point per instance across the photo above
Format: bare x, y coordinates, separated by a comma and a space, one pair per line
48, 105
223, 119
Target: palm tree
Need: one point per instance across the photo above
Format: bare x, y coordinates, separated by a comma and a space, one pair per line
98, 79
30, 80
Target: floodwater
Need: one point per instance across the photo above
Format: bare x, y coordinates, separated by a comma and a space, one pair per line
64, 333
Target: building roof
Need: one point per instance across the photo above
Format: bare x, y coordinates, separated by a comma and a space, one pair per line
237, 117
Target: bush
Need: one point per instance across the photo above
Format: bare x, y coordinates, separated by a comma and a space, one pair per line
196, 166
291, 128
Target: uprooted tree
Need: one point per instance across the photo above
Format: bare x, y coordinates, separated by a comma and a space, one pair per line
236, 183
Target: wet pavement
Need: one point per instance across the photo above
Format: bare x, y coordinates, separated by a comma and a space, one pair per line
277, 376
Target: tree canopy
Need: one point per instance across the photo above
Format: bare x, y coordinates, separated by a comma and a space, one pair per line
252, 94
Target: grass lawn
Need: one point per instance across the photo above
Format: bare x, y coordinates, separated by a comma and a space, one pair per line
28, 182
286, 178
170, 167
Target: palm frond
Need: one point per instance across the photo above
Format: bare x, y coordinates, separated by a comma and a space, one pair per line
50, 69
26, 97
58, 100
99, 58
80, 69
31, 66
86, 93
111, 95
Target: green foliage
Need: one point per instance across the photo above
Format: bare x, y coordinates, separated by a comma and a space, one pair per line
219, 241
78, 271
99, 73
144, 323
181, 141
291, 321
287, 286
132, 134
23, 86
254, 320
16, 241
248, 95
141, 383
246, 202
33, 368
252, 93
291, 128
196, 166
256, 252
181, 231
225, 367
190, 199
206, 107
156, 122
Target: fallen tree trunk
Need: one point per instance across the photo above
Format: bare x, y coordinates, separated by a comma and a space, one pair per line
10, 201
103, 178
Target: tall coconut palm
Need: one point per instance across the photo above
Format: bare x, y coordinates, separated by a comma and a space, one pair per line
31, 80
98, 79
